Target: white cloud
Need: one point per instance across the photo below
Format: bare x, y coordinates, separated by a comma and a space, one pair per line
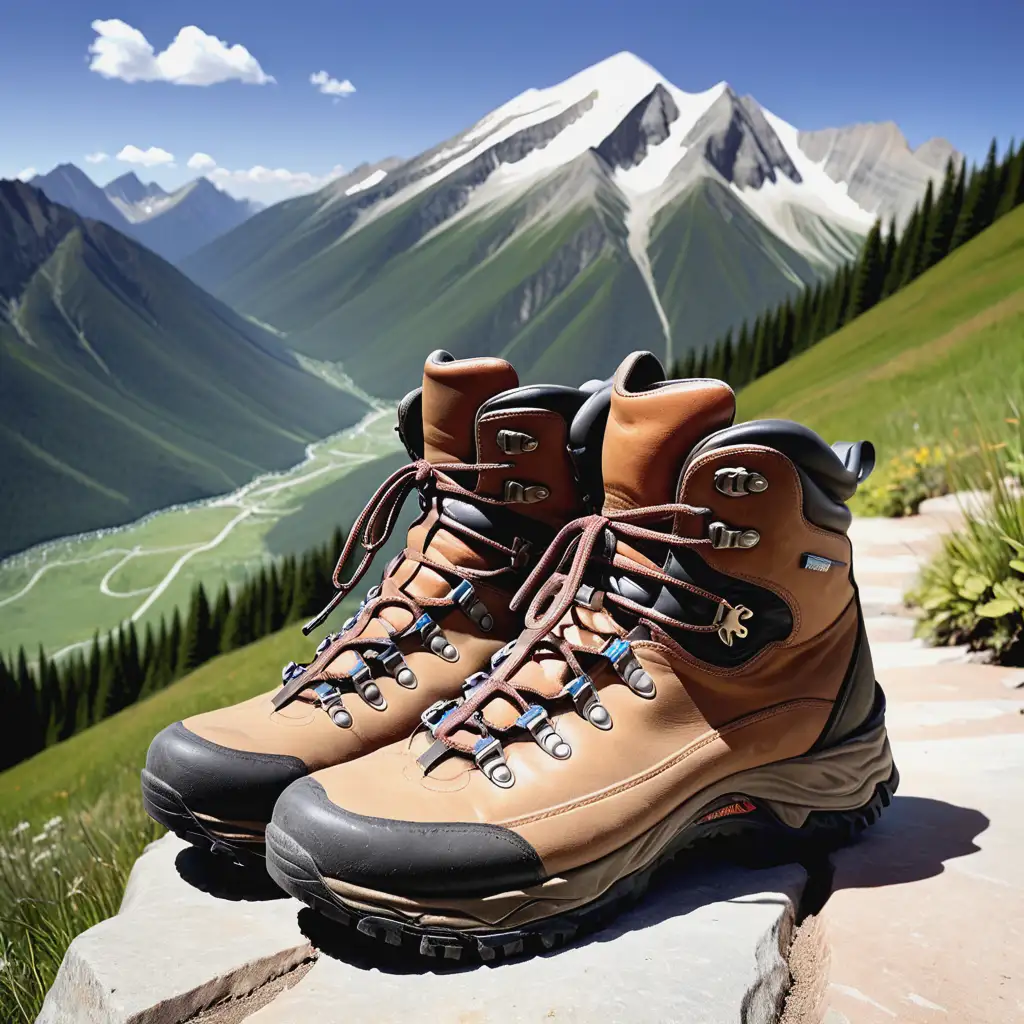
298, 181
26, 174
331, 86
201, 162
193, 58
152, 157
96, 158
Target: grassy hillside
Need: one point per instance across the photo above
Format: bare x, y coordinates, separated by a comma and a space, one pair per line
124, 387
105, 760
919, 365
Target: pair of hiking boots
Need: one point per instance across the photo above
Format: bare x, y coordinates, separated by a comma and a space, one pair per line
620, 624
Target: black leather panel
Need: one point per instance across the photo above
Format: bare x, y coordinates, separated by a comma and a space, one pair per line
772, 618
798, 443
555, 397
405, 858
410, 423
233, 784
585, 435
820, 509
858, 697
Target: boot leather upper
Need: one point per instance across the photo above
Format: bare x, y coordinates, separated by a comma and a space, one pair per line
455, 429
706, 722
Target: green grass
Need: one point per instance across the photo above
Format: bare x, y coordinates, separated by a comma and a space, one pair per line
72, 824
921, 366
295, 511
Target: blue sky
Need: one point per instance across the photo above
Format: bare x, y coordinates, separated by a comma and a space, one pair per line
422, 72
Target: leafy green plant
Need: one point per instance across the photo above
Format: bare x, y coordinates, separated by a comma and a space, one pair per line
973, 591
898, 487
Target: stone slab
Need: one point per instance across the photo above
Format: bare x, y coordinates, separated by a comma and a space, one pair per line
925, 921
185, 938
710, 948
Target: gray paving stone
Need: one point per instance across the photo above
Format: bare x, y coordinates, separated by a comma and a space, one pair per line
710, 948
174, 949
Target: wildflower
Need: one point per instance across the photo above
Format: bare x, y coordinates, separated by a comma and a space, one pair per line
38, 858
76, 887
19, 828
41, 838
55, 822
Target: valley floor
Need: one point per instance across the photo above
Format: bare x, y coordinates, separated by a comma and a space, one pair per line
59, 593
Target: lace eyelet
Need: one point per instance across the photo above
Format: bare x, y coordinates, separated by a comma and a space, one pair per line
536, 721
490, 759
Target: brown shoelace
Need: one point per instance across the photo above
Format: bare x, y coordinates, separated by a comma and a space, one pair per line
371, 530
562, 588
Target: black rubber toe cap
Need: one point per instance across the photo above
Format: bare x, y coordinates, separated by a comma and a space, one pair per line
236, 785
405, 858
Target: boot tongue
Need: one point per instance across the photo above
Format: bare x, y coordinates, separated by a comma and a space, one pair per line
453, 391
653, 425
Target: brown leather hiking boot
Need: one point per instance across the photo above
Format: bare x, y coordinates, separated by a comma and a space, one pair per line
499, 468
694, 662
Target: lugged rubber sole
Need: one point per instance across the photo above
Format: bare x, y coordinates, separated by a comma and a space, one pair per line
235, 840
733, 816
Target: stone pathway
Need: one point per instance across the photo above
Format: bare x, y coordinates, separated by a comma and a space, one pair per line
921, 921
925, 922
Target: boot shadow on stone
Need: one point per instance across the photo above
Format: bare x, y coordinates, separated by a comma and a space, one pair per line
221, 877
911, 842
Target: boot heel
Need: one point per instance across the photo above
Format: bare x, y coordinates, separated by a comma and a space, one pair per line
830, 795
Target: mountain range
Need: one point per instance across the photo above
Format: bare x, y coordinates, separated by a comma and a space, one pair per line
567, 227
172, 224
124, 387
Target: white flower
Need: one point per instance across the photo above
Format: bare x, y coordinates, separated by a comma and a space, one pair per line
76, 887
38, 858
55, 822
19, 828
41, 838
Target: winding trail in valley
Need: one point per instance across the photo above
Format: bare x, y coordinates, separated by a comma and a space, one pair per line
243, 499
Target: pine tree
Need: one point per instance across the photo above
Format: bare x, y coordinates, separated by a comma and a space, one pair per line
221, 611
988, 193
26, 713
87, 713
197, 641
889, 253
943, 221
741, 358
147, 657
174, 647
9, 724
238, 629
131, 666
917, 265
979, 201
1013, 189
869, 276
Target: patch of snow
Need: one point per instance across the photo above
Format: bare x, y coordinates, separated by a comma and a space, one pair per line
654, 169
368, 182
776, 203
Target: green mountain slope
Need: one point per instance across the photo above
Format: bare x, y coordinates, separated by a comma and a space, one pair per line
531, 279
923, 363
709, 279
124, 387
